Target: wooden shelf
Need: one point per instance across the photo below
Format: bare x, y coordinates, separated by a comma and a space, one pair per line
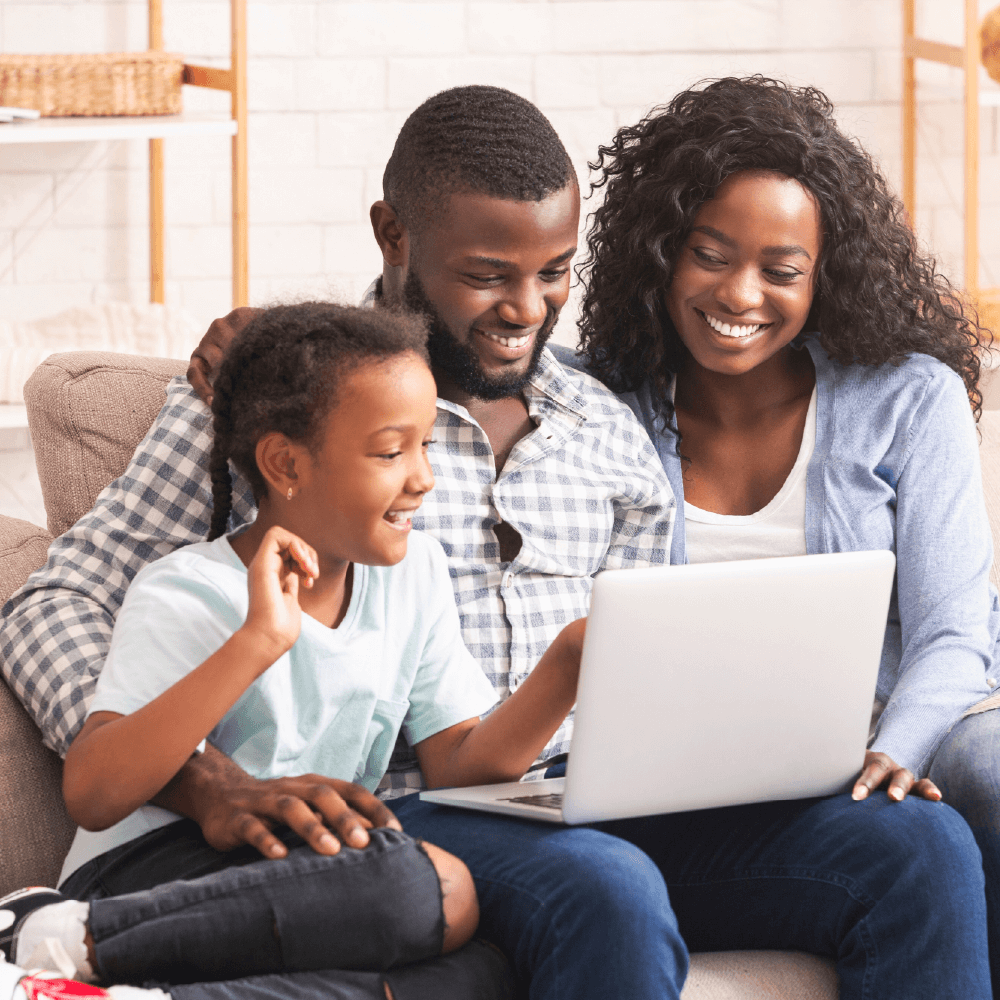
100, 129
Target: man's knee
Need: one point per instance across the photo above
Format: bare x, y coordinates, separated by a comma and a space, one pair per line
458, 897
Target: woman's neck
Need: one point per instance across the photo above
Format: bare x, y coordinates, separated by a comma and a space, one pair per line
330, 595
728, 400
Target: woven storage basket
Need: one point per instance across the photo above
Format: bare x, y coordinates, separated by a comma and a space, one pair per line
116, 83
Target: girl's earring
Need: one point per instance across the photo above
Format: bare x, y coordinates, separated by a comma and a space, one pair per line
289, 493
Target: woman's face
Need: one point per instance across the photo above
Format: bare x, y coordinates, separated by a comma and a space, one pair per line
744, 280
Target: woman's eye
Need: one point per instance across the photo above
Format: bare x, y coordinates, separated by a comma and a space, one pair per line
553, 276
706, 257
784, 275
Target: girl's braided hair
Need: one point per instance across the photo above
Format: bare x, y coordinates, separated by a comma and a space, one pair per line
282, 373
877, 297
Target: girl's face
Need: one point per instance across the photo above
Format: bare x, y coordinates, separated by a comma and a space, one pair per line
743, 283
355, 493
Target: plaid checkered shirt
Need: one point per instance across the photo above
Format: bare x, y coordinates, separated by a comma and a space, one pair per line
584, 489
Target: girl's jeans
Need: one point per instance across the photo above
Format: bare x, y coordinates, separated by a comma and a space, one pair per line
167, 909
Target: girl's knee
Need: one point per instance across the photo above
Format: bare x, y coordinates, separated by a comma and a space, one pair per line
458, 897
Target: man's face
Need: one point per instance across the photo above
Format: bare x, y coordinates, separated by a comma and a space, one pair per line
492, 274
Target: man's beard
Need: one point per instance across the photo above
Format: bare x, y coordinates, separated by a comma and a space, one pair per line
459, 362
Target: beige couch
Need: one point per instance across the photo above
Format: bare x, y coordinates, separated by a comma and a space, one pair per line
87, 412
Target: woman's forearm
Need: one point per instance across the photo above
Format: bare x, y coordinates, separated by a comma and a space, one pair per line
119, 762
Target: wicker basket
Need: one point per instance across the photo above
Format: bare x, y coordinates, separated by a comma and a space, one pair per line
116, 83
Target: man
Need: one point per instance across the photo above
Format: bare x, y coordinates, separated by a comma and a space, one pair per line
543, 478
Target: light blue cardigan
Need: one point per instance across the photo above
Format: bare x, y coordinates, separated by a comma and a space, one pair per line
896, 466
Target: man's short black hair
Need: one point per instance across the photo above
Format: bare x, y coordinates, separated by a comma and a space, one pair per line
482, 139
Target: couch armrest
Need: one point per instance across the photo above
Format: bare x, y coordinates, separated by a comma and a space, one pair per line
23, 547
35, 831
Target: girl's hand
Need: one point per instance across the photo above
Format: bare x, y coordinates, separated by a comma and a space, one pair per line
881, 769
281, 561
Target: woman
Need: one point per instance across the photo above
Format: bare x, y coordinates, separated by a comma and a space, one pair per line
809, 380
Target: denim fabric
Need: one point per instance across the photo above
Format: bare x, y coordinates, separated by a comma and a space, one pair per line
892, 891
287, 928
967, 770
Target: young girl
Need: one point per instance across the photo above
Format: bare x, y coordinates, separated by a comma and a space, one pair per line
304, 644
757, 297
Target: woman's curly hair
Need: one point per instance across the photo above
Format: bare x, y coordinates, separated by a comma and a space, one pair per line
283, 372
877, 296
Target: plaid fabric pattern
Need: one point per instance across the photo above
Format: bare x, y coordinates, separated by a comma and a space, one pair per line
585, 490
57, 628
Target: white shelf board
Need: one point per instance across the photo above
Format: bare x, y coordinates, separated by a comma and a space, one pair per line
13, 416
100, 129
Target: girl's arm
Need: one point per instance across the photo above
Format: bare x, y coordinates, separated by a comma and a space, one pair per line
506, 743
118, 762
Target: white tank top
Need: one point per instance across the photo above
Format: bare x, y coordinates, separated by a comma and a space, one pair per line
778, 529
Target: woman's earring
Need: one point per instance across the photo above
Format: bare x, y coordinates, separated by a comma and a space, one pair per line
289, 493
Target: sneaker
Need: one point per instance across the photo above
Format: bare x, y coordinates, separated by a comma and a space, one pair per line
13, 910
46, 986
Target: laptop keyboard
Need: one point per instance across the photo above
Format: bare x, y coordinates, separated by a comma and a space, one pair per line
553, 800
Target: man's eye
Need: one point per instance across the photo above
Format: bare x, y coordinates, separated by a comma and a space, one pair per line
485, 279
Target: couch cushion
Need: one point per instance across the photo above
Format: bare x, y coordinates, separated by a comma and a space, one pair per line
87, 412
35, 831
754, 975
989, 454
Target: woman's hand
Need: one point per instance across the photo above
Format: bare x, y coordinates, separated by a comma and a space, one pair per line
281, 561
881, 769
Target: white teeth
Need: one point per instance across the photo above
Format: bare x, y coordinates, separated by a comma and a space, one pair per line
509, 341
731, 331
397, 516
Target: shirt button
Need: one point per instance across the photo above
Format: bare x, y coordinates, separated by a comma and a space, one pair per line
507, 577
991, 682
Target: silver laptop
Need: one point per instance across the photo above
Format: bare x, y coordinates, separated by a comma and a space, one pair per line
714, 685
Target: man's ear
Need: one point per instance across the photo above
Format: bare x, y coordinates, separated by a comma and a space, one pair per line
390, 233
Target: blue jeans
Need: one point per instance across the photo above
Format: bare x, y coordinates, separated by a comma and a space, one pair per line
893, 892
168, 910
967, 770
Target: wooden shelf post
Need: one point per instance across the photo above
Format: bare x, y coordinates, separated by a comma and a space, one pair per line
157, 283
240, 182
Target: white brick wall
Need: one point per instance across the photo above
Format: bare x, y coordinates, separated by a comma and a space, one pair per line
330, 83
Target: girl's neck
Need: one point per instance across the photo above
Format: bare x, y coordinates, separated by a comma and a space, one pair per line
330, 595
740, 399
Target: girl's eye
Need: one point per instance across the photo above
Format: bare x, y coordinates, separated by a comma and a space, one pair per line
391, 455
428, 443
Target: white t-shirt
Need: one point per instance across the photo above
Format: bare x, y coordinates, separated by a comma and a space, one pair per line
332, 705
777, 529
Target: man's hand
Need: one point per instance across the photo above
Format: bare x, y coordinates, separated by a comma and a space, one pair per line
881, 769
234, 809
207, 356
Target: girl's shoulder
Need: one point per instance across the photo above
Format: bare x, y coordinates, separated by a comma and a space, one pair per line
196, 568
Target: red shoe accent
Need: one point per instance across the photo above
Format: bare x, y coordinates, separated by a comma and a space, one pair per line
37, 988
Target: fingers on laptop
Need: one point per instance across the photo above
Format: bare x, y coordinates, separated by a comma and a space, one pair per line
881, 770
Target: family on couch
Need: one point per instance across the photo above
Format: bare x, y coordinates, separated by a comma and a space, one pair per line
792, 376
